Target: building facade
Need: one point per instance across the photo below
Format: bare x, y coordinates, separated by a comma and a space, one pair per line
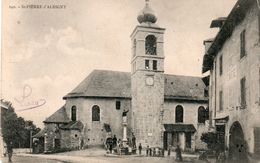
163, 109
233, 59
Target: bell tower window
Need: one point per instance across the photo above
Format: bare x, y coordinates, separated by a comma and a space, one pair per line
150, 45
147, 64
154, 65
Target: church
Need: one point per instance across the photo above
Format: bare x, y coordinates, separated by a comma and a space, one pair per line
163, 109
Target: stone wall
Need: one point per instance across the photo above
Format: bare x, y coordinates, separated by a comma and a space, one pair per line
147, 103
65, 141
49, 137
94, 132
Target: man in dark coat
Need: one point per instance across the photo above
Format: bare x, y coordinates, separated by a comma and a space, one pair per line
10, 151
134, 141
147, 150
114, 141
140, 148
178, 153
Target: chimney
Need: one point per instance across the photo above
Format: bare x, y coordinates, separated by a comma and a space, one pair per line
207, 44
218, 23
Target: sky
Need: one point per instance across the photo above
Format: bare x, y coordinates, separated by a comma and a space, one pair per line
47, 52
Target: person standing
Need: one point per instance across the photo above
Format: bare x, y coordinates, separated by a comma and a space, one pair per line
10, 151
147, 150
109, 143
140, 148
134, 141
178, 153
169, 150
114, 141
110, 147
150, 151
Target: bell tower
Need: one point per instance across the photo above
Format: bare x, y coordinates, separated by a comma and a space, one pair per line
147, 79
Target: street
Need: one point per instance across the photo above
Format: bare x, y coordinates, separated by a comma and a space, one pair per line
94, 155
22, 159
100, 159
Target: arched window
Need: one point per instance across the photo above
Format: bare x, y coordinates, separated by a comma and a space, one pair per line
203, 114
179, 114
150, 45
73, 113
95, 113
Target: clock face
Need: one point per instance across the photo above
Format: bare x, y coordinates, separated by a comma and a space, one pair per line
149, 80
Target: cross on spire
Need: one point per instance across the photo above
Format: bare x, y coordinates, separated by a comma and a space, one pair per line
147, 2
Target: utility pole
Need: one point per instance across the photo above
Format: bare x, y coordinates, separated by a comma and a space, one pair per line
30, 140
30, 128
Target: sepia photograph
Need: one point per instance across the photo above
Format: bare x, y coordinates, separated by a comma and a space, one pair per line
130, 81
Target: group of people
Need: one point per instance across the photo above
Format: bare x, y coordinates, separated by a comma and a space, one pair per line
154, 151
112, 143
117, 144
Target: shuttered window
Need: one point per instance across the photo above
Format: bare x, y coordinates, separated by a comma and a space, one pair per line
220, 65
118, 105
257, 140
243, 92
220, 100
242, 44
259, 25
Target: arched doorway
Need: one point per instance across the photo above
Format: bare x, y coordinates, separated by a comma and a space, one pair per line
237, 144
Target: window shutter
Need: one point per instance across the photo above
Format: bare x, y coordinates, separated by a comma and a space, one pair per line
242, 44
243, 92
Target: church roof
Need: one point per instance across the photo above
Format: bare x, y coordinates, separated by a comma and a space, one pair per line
60, 116
102, 83
184, 87
114, 84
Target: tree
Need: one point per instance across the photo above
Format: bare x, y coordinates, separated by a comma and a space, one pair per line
15, 129
210, 138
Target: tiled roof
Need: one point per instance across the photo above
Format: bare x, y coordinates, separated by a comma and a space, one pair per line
103, 83
179, 128
72, 125
40, 133
60, 116
184, 87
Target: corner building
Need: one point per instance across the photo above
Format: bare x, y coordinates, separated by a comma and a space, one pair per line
232, 58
